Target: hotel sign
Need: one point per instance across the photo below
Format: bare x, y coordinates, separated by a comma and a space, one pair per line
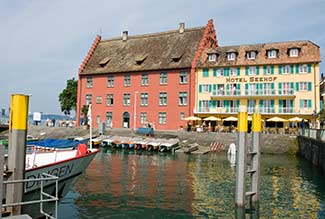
250, 79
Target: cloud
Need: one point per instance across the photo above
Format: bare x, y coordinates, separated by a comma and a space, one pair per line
43, 42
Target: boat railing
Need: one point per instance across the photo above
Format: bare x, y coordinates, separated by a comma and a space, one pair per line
44, 197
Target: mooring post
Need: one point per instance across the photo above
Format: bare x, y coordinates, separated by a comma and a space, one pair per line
17, 149
241, 158
256, 154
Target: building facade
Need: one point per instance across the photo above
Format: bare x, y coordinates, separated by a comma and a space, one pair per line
278, 79
135, 80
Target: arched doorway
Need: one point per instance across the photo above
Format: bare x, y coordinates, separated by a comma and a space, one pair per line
126, 120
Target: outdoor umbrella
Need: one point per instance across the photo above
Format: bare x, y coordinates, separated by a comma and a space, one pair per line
230, 118
295, 119
212, 118
192, 118
276, 119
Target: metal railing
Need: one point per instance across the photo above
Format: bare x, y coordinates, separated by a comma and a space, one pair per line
318, 134
247, 92
41, 201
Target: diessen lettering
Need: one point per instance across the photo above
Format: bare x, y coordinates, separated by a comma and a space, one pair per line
62, 171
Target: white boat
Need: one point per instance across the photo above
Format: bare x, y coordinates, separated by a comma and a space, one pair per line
66, 164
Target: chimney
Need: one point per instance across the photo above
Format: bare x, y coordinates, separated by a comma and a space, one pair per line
125, 35
181, 28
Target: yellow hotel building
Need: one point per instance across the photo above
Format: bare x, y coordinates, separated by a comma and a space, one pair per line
281, 79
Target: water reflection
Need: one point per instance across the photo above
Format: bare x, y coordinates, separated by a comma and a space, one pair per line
123, 184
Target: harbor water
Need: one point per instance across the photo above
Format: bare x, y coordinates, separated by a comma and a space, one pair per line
135, 184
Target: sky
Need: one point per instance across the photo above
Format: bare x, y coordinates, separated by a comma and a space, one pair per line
43, 42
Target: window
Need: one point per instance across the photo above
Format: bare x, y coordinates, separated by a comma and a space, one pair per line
220, 89
89, 82
110, 81
212, 57
181, 115
251, 106
205, 72
183, 77
268, 70
98, 119
126, 99
294, 52
127, 80
286, 69
109, 118
205, 88
303, 68
162, 117
252, 70
232, 72
162, 98
144, 99
109, 99
303, 86
143, 118
271, 53
99, 99
251, 55
88, 99
182, 98
305, 103
231, 56
163, 78
220, 72
144, 79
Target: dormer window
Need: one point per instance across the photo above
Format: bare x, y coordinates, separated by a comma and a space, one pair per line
271, 54
212, 57
251, 55
231, 56
104, 61
293, 52
176, 57
139, 59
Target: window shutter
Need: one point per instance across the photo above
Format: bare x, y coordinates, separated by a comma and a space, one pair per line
301, 103
309, 103
272, 105
214, 103
227, 87
291, 104
261, 103
309, 86
214, 88
246, 89
238, 71
291, 69
297, 68
257, 70
272, 88
309, 68
238, 87
214, 72
280, 88
272, 69
297, 86
265, 68
200, 105
237, 104
210, 87
280, 104
200, 88
246, 70
226, 71
321, 105
280, 69
292, 86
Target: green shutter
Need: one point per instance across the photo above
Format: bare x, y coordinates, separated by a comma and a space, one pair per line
297, 69
272, 69
321, 105
238, 88
309, 68
238, 71
261, 103
200, 88
227, 88
214, 103
264, 69
237, 104
291, 69
246, 71
205, 72
200, 105
210, 87
214, 88
301, 103
246, 89
309, 103
297, 86
292, 86
309, 86
272, 105
272, 88
214, 72
226, 70
281, 103
280, 69
280, 87
257, 70
291, 104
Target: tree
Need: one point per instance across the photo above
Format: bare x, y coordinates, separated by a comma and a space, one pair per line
321, 115
84, 111
68, 97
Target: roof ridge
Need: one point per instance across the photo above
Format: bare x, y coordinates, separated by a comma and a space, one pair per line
147, 35
282, 42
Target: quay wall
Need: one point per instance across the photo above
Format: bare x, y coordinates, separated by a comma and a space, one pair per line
312, 150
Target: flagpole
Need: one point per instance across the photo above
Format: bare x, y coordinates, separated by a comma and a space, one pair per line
90, 126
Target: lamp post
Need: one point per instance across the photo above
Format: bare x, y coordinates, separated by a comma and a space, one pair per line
135, 110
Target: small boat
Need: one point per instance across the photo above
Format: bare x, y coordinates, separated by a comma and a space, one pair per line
168, 145
65, 163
